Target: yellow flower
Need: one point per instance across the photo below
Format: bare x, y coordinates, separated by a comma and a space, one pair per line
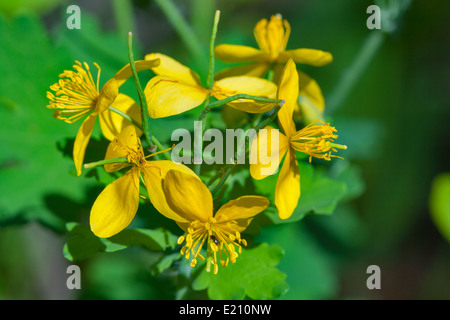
192, 208
117, 204
77, 95
314, 140
176, 89
272, 37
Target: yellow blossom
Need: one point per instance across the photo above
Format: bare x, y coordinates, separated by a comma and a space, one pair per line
117, 204
314, 140
77, 95
192, 208
176, 89
272, 38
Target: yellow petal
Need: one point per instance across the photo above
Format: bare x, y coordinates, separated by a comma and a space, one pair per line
287, 190
260, 33
234, 118
311, 102
112, 123
276, 35
183, 225
313, 57
258, 69
266, 154
172, 68
287, 33
82, 140
288, 91
124, 143
237, 53
154, 173
107, 95
246, 85
116, 206
123, 74
167, 96
188, 196
243, 207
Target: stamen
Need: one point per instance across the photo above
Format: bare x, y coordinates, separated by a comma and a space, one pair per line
316, 141
224, 243
75, 94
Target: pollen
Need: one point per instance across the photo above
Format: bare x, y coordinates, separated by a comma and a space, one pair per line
316, 141
223, 241
75, 94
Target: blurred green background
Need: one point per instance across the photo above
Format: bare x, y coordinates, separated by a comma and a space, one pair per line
386, 93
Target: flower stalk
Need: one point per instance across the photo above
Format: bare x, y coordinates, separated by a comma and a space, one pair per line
106, 161
142, 99
155, 141
214, 188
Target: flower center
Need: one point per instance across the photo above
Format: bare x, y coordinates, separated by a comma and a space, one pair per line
222, 241
316, 141
75, 94
136, 157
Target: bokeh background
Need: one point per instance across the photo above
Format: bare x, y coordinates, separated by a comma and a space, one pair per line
386, 92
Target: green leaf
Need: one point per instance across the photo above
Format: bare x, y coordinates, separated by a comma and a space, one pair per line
31, 168
351, 175
309, 270
157, 239
83, 244
363, 136
254, 275
123, 276
343, 230
37, 6
440, 204
165, 263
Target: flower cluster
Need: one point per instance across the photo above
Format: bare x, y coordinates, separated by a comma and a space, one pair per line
269, 86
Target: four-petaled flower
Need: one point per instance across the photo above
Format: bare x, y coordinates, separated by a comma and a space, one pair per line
190, 204
314, 140
76, 95
272, 38
117, 204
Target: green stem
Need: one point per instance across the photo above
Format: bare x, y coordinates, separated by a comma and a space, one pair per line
123, 13
353, 74
229, 167
198, 142
183, 29
222, 102
270, 119
106, 161
202, 15
392, 12
209, 84
210, 79
160, 147
142, 99
219, 185
126, 116
155, 141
